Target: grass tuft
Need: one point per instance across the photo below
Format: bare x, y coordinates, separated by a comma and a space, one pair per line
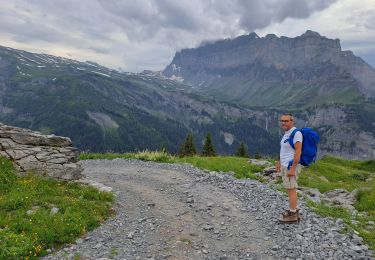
240, 166
146, 155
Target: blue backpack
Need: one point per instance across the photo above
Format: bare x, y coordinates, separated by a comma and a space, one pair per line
309, 145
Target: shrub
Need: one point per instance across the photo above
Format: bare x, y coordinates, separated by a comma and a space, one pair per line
188, 147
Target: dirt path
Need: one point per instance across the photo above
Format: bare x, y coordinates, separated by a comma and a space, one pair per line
169, 212
180, 218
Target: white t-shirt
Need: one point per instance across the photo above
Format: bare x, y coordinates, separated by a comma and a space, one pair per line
286, 150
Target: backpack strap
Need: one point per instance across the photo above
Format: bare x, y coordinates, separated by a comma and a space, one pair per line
290, 140
291, 137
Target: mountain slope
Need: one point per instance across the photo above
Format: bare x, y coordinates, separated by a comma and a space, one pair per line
104, 110
280, 72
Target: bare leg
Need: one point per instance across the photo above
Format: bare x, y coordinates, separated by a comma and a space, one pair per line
292, 194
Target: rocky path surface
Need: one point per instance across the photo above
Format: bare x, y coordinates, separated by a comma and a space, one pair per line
176, 211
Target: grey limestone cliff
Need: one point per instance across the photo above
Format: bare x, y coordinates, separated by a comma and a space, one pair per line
269, 70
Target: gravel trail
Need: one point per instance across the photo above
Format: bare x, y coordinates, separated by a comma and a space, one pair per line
176, 211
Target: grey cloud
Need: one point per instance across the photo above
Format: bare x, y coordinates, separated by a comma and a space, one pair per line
118, 28
27, 30
143, 19
142, 11
370, 20
69, 18
168, 13
98, 49
179, 14
261, 13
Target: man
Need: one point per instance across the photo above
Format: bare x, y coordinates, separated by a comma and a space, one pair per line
289, 166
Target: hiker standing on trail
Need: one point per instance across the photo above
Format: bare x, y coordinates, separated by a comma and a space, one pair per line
289, 166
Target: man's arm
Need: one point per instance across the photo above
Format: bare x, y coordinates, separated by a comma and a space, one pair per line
297, 156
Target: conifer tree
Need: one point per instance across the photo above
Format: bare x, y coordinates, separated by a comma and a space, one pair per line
242, 150
208, 148
188, 147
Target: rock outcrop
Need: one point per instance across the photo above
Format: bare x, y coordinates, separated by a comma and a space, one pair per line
340, 197
49, 155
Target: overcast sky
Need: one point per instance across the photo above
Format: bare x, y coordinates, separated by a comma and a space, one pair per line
144, 34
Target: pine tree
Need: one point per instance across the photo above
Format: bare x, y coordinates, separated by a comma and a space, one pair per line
208, 149
242, 151
188, 147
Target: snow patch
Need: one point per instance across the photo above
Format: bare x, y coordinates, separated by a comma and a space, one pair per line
91, 64
102, 74
29, 59
175, 68
176, 78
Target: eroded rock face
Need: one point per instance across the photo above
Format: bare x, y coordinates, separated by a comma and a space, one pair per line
255, 70
49, 155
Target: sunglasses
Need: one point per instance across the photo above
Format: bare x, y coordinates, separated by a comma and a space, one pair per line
284, 121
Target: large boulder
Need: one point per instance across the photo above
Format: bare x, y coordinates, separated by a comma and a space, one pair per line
49, 155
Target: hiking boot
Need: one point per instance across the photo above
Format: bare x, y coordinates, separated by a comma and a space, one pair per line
286, 212
289, 217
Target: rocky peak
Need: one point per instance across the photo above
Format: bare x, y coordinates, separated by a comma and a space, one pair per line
310, 33
253, 35
271, 36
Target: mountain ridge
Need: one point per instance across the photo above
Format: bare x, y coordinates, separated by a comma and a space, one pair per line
105, 110
249, 68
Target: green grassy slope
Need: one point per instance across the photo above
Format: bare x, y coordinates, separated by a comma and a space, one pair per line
26, 235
